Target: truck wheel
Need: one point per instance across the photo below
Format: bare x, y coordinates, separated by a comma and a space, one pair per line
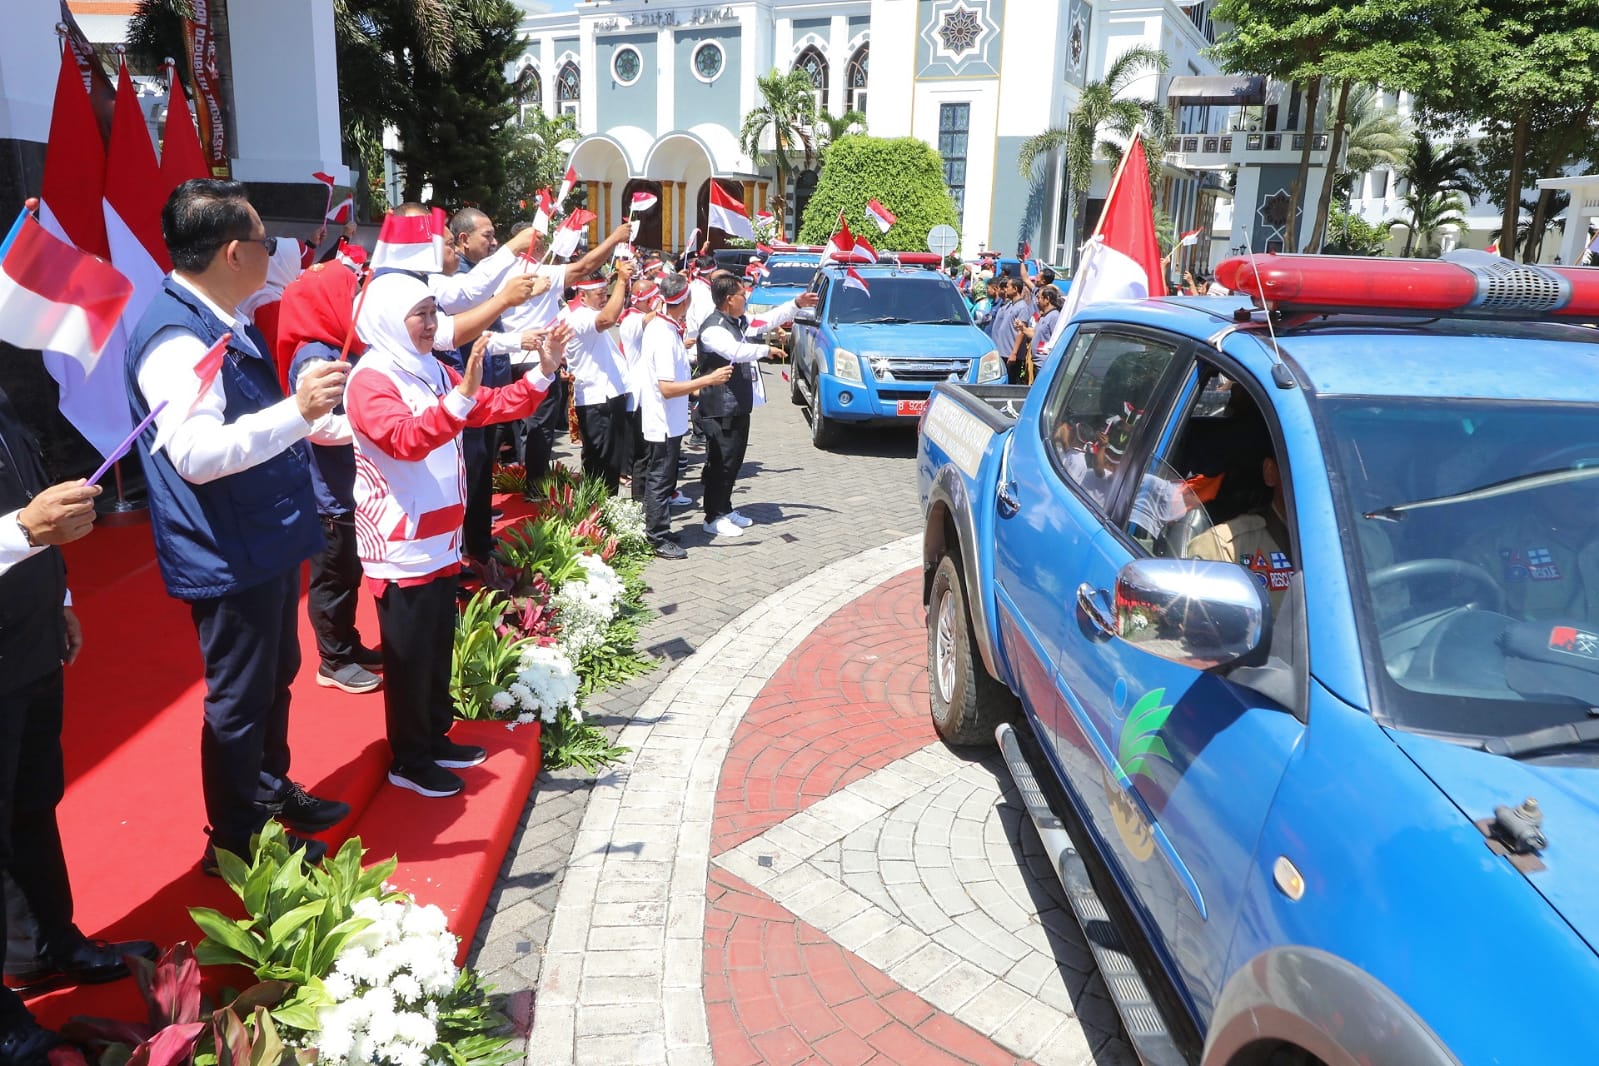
824, 431
795, 396
967, 702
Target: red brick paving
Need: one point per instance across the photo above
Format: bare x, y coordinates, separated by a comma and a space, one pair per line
778, 991
851, 699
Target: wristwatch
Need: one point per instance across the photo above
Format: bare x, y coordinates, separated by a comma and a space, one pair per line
27, 535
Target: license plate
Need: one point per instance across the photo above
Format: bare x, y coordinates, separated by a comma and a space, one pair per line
910, 408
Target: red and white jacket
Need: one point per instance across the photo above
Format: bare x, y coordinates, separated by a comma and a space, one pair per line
410, 479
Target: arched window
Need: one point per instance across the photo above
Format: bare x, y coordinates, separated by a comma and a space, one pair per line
812, 62
568, 87
855, 79
529, 91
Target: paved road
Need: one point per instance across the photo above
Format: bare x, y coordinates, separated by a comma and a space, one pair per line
790, 867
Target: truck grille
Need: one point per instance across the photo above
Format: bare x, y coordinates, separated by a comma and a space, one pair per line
886, 369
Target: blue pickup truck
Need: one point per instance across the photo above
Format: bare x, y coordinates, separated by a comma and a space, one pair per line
1282, 622
787, 275
873, 354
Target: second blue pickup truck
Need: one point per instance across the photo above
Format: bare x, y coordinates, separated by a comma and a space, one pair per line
1283, 622
873, 354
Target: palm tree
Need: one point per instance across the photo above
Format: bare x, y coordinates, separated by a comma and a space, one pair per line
788, 111
1381, 136
830, 128
1102, 108
1432, 172
1428, 214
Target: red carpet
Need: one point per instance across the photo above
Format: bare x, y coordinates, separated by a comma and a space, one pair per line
133, 820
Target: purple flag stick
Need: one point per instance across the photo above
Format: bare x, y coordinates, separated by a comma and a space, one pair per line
122, 449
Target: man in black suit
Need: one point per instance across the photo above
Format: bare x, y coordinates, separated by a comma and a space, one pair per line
39, 635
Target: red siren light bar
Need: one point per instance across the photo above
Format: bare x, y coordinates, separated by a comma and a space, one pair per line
1473, 285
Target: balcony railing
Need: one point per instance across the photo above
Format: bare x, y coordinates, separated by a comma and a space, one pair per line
1222, 144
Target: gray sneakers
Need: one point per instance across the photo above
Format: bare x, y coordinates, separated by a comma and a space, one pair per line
351, 677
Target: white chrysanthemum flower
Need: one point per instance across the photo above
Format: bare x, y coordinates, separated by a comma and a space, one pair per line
339, 986
501, 702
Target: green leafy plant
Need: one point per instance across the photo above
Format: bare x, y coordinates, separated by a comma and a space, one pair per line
541, 546
484, 659
905, 173
570, 741
509, 477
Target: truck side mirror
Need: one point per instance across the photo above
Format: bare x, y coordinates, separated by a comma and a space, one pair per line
805, 316
1194, 612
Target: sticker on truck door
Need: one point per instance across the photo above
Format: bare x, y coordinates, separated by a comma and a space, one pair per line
1139, 745
961, 434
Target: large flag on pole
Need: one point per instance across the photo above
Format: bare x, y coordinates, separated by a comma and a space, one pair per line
56, 298
182, 157
74, 166
727, 214
1121, 261
411, 242
133, 203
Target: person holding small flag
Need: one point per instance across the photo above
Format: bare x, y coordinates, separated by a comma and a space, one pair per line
231, 503
599, 376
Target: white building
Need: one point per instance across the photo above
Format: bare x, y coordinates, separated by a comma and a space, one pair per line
659, 89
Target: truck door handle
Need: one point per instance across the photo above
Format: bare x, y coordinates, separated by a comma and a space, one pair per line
1006, 499
1095, 604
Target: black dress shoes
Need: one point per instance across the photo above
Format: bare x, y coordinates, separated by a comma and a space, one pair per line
302, 812
311, 853
27, 1043
77, 959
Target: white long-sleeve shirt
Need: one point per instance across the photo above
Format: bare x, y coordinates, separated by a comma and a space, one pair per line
465, 289
202, 446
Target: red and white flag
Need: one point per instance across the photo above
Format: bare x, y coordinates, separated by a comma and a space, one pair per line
1191, 238
841, 244
205, 374
330, 181
880, 215
411, 242
727, 214
133, 203
182, 157
1493, 247
342, 212
565, 241
1122, 259
569, 180
56, 298
642, 202
546, 211
766, 220
756, 270
853, 280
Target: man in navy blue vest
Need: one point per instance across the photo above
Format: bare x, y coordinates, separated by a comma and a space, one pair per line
39, 635
232, 505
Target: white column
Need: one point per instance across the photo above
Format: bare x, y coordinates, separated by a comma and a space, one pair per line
749, 31
285, 92
893, 36
30, 57
666, 96
547, 73
837, 63
588, 108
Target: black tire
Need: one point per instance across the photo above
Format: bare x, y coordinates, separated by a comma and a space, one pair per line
795, 395
967, 704
824, 431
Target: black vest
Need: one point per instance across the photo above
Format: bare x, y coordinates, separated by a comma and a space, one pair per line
32, 630
737, 397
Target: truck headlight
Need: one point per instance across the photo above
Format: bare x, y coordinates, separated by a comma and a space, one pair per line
846, 367
990, 367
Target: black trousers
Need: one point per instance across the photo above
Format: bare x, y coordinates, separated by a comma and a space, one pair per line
335, 586
543, 428
252, 652
726, 439
32, 782
660, 483
477, 448
639, 448
607, 440
418, 628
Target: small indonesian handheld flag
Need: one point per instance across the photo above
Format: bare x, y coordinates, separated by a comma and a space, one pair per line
853, 280
841, 245
411, 242
693, 242
566, 238
1593, 245
330, 181
56, 298
1493, 247
342, 212
182, 157
1026, 251
864, 252
1122, 259
546, 211
765, 218
642, 202
1191, 238
880, 215
727, 214
326, 179
756, 270
567, 181
763, 250
205, 374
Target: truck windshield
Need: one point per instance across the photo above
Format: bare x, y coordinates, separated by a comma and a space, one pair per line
797, 275
924, 297
1475, 548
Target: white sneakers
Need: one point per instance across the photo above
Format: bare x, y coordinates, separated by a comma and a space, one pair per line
679, 499
724, 527
739, 520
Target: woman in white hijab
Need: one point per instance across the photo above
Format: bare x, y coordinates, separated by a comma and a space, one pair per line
407, 411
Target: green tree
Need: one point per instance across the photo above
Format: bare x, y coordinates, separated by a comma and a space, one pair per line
1349, 234
1102, 108
784, 116
905, 173
535, 159
1376, 137
1436, 179
830, 128
1427, 214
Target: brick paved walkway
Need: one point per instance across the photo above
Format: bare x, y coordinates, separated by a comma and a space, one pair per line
790, 868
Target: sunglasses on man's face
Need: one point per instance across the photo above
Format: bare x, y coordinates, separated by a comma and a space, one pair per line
269, 243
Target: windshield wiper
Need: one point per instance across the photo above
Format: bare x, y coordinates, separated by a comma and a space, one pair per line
1542, 741
887, 320
944, 322
1507, 487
